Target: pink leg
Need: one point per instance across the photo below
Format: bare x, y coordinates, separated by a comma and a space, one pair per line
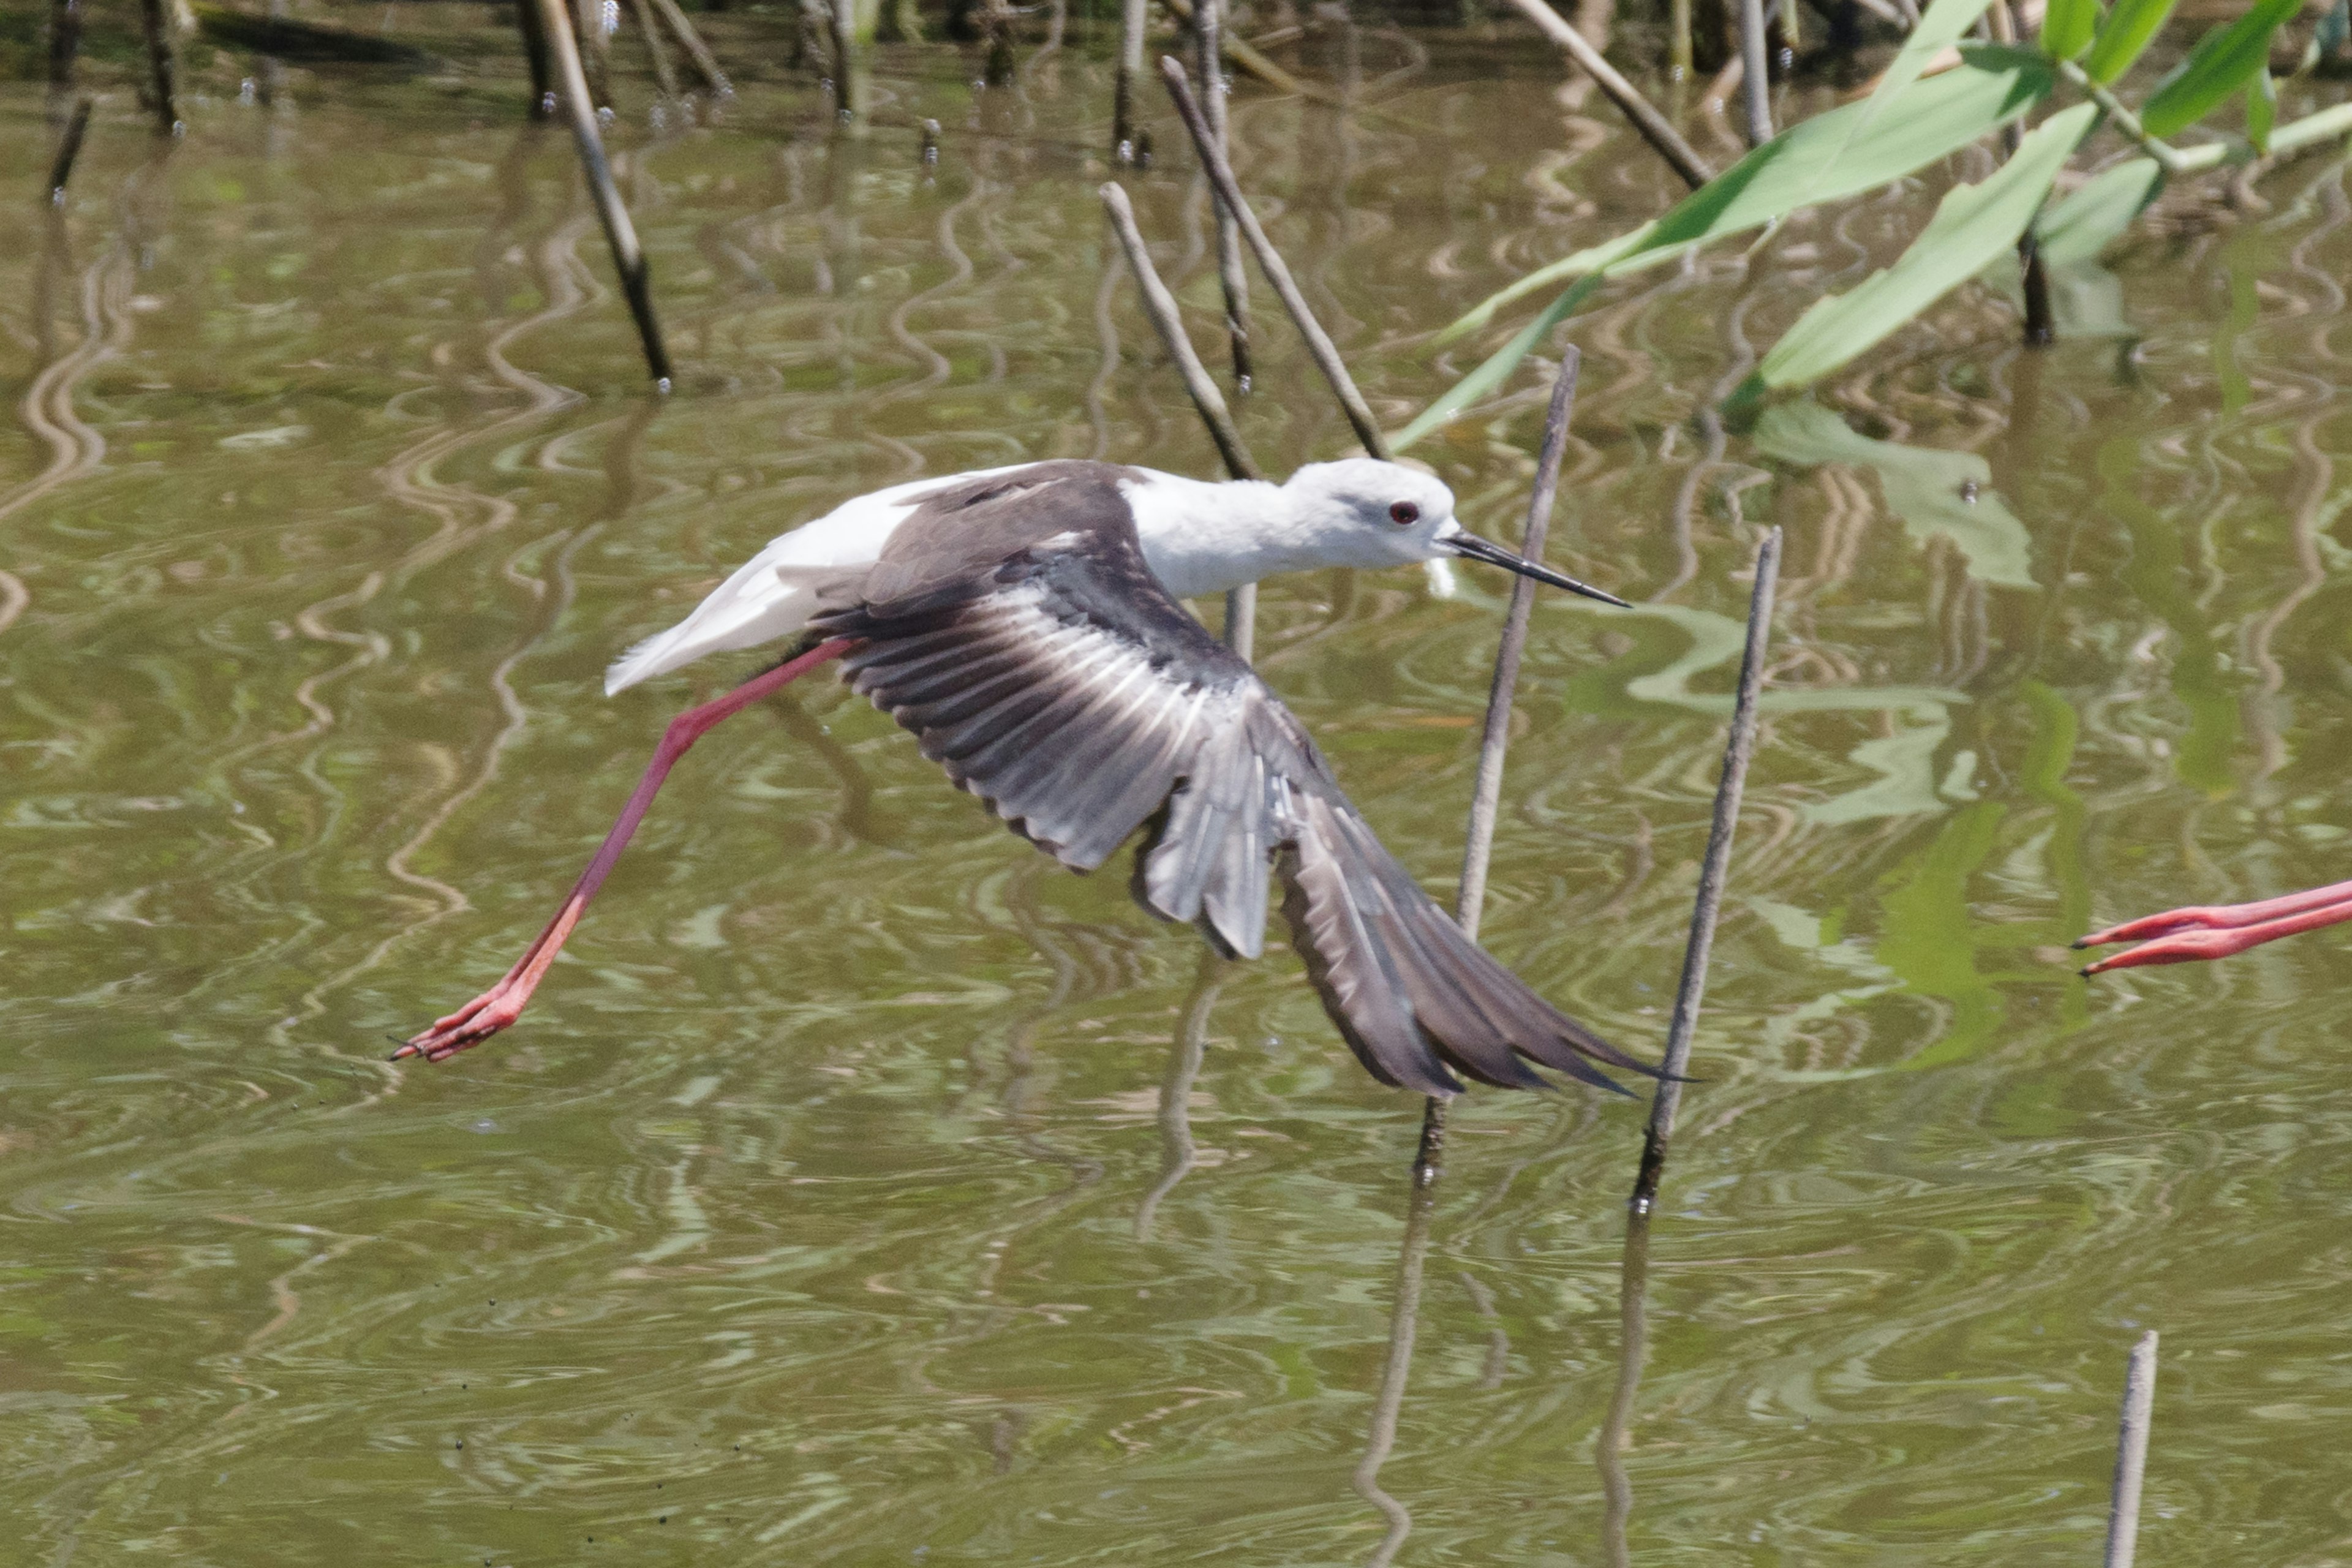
2184, 941
502, 1004
2219, 917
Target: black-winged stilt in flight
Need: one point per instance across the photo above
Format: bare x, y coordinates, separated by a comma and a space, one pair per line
1024, 624
2217, 931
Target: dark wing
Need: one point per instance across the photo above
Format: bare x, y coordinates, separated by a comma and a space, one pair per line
1062, 685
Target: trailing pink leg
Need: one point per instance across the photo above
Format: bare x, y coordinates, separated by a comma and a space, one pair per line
2219, 916
2218, 940
502, 1004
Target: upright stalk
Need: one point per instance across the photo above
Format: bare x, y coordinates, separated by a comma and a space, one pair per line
594, 46
69, 149
706, 64
628, 257
535, 52
1132, 22
1241, 603
1234, 204
2131, 1453
1655, 127
159, 68
65, 47
1756, 87
1208, 23
1708, 906
1495, 741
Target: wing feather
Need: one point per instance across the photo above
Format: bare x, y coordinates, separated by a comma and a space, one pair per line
1058, 681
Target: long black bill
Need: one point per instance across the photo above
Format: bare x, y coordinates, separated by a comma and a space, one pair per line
1471, 547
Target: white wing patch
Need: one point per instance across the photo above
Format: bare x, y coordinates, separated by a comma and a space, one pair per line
774, 594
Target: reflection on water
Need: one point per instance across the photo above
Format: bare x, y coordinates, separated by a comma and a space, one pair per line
863, 1189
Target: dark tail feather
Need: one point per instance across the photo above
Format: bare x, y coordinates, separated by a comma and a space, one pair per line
1413, 994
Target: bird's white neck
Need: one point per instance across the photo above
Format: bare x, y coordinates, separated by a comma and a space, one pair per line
1202, 538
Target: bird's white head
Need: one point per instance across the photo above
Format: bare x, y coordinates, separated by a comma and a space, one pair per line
1361, 512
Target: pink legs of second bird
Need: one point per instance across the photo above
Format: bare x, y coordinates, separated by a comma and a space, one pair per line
502, 1004
2181, 936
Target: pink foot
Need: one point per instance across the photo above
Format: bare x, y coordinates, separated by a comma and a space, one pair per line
469, 1026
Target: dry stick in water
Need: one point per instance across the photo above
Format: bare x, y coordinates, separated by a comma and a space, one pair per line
628, 258
696, 49
1757, 90
1269, 260
1241, 604
542, 67
159, 66
69, 149
595, 50
1653, 125
2041, 322
2131, 1453
1486, 797
1208, 25
1708, 906
1133, 17
65, 44
1256, 64
657, 51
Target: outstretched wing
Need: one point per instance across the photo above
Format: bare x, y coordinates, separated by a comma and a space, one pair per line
1059, 683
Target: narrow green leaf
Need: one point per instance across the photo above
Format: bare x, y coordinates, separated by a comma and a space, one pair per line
1497, 365
1973, 225
2077, 228
1809, 162
2224, 61
2262, 108
2122, 35
1939, 29
2067, 27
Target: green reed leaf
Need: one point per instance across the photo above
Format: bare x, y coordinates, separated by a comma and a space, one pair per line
1973, 226
2224, 61
1815, 160
2067, 27
2122, 35
2080, 226
2262, 108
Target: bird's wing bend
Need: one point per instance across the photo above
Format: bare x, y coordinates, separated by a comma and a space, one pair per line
1060, 683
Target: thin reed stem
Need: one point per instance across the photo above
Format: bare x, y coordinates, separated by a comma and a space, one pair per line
159, 68
1757, 94
1133, 19
2131, 1453
1653, 126
1161, 306
1487, 795
1269, 260
1246, 58
65, 44
1241, 603
69, 149
705, 62
628, 257
1707, 908
1208, 26
657, 52
543, 65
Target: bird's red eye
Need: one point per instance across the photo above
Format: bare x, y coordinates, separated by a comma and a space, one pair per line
1404, 514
